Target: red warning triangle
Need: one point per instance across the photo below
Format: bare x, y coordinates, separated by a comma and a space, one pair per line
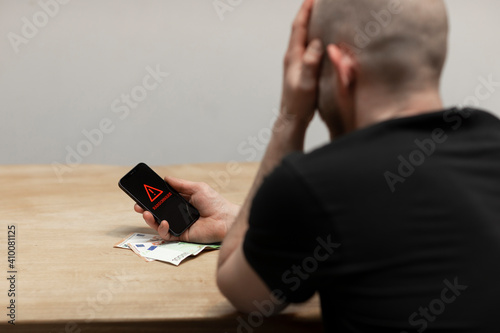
153, 193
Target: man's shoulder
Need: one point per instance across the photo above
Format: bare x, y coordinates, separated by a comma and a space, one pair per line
352, 149
371, 148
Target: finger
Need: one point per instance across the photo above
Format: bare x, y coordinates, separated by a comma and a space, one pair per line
181, 185
300, 26
150, 220
138, 209
164, 231
310, 64
185, 196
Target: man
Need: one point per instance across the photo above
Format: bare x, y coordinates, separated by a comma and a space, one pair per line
396, 222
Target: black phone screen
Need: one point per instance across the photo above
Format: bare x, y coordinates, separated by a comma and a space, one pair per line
154, 194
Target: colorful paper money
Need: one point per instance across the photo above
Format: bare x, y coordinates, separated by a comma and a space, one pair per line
152, 247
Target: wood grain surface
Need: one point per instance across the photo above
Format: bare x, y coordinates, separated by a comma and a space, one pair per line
70, 278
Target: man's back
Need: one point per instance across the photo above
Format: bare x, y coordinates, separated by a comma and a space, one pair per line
399, 225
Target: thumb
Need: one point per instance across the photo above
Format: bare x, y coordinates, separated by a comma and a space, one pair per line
180, 185
163, 231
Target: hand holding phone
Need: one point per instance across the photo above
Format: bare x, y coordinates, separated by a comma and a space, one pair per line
155, 195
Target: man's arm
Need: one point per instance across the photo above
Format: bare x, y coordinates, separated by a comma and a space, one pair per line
235, 277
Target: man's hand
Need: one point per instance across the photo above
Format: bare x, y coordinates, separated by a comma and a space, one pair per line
216, 213
301, 70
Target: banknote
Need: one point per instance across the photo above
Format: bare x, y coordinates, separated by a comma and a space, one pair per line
152, 247
143, 249
171, 252
137, 238
162, 252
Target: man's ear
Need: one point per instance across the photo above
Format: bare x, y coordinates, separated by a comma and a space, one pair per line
344, 65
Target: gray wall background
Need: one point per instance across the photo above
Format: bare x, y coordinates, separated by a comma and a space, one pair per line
68, 75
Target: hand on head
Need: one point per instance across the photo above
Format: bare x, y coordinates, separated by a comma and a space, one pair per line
301, 67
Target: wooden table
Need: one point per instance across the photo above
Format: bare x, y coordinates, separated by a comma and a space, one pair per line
69, 278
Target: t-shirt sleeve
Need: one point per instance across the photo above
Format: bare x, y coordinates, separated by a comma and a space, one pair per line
282, 239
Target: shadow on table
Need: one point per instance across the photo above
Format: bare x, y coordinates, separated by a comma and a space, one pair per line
228, 324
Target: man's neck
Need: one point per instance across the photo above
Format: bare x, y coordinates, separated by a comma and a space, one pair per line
378, 107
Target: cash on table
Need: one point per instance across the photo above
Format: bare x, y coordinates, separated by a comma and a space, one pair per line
152, 247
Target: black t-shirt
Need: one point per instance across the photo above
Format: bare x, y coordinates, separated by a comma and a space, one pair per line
397, 226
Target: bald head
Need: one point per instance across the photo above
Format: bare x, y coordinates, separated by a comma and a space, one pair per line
400, 44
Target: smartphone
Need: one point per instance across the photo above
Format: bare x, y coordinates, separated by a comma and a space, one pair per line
154, 194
